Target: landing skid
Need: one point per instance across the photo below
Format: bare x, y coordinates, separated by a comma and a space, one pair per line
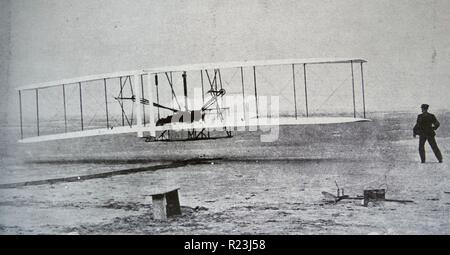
193, 135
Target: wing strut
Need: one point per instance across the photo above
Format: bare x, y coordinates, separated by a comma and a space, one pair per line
121, 105
185, 91
81, 106
220, 79
65, 110
363, 95
106, 104
243, 91
139, 122
143, 96
20, 109
256, 91
353, 90
203, 89
151, 120
306, 90
37, 111
157, 94
295, 93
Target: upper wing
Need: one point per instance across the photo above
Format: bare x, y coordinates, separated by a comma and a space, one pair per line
256, 63
205, 66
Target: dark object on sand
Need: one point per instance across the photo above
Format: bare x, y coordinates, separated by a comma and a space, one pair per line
334, 199
339, 195
374, 195
166, 204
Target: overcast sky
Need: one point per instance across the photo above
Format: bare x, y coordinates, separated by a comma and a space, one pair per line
407, 43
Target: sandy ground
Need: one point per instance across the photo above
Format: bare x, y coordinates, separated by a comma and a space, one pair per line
231, 186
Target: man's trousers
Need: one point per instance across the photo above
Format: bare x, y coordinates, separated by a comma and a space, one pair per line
434, 147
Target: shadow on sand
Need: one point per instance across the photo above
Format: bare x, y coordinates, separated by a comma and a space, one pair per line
172, 164
107, 161
102, 175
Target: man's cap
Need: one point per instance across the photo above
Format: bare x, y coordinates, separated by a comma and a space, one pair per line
424, 106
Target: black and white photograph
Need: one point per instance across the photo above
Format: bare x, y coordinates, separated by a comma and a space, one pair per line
213, 117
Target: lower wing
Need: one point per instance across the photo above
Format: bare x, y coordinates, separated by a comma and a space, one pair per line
230, 125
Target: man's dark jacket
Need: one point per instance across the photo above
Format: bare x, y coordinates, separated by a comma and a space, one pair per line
426, 124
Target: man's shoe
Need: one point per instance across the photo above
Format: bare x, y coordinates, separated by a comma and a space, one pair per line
440, 161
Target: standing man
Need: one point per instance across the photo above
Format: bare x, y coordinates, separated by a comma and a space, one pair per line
424, 128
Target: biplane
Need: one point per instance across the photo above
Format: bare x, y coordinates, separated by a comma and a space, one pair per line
148, 101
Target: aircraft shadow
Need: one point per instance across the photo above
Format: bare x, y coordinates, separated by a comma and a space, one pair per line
106, 161
171, 165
